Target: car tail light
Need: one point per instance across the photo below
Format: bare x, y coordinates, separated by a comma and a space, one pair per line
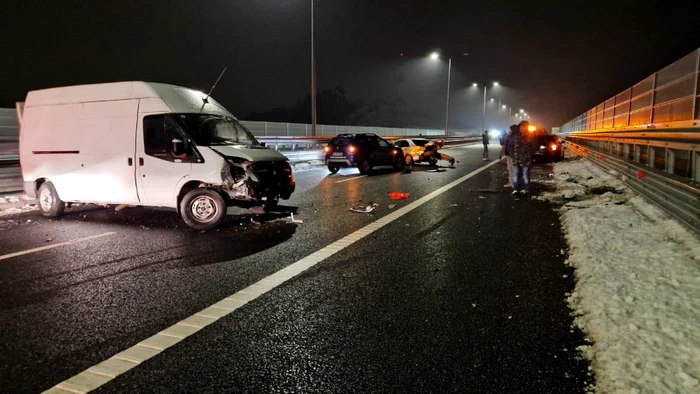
554, 147
351, 149
326, 148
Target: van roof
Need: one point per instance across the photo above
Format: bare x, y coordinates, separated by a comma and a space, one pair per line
178, 98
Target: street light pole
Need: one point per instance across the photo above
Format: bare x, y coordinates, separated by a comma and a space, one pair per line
447, 105
483, 117
313, 75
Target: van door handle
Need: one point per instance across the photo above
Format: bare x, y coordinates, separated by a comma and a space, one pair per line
131, 162
141, 161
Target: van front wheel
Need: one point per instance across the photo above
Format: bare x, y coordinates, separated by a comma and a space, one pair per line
50, 205
203, 209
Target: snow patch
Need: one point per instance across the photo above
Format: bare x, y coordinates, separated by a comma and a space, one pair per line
637, 274
308, 165
14, 204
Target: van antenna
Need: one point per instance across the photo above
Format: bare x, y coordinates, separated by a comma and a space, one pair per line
206, 99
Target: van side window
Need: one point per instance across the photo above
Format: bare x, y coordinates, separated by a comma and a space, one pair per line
154, 137
159, 134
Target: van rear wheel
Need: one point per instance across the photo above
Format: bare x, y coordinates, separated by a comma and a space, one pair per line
203, 209
50, 205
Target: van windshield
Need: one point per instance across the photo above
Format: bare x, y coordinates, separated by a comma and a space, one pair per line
213, 130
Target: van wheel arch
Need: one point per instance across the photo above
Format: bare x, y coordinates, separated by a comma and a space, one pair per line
191, 185
37, 185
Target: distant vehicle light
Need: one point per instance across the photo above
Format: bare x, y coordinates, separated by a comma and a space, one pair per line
543, 147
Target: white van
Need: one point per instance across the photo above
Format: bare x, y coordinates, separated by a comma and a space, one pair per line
145, 144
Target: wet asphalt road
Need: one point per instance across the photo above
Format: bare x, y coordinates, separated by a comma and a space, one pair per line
466, 293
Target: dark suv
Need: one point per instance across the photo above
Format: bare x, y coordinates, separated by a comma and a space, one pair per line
549, 148
364, 151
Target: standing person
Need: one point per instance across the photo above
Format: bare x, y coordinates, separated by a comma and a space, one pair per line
505, 151
522, 148
485, 141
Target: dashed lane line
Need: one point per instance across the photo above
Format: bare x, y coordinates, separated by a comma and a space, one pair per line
56, 245
116, 365
349, 179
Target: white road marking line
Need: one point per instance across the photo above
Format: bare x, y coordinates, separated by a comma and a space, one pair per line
56, 245
85, 381
349, 179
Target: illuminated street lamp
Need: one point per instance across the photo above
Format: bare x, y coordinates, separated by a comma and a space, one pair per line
436, 56
483, 116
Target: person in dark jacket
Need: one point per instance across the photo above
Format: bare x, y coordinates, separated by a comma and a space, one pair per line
485, 141
505, 151
522, 147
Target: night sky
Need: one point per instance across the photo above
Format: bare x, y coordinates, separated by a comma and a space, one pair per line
556, 59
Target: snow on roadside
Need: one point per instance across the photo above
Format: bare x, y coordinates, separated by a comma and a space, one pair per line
637, 294
14, 204
308, 165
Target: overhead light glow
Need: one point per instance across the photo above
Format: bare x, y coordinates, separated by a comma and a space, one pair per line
474, 84
531, 128
434, 55
495, 84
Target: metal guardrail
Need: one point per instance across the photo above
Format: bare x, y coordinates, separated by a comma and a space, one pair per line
310, 142
675, 195
10, 179
277, 129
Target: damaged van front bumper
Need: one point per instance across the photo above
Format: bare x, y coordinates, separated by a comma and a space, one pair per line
256, 182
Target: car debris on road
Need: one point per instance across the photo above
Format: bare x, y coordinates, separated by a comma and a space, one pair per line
399, 196
367, 209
